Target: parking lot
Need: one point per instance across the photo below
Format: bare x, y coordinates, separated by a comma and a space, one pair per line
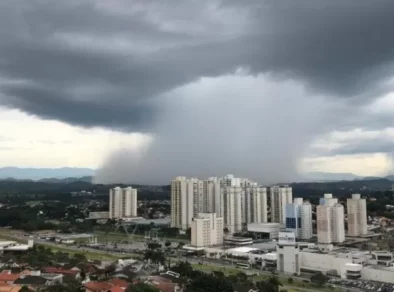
363, 285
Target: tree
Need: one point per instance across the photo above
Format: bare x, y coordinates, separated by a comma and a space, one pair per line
72, 285
168, 243
209, 283
24, 289
270, 285
78, 258
226, 231
290, 280
170, 231
274, 282
183, 268
189, 233
155, 256
153, 245
319, 279
142, 287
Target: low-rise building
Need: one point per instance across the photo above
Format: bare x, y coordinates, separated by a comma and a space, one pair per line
206, 230
264, 230
238, 241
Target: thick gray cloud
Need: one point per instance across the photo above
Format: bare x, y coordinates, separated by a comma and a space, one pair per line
114, 63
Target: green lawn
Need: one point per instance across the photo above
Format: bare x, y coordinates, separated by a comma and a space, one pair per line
89, 254
117, 236
225, 270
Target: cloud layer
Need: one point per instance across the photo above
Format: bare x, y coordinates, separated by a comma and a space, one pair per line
222, 86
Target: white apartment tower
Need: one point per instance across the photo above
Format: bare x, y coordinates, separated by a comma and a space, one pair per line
186, 195
299, 218
232, 209
206, 230
255, 204
330, 221
122, 203
306, 228
280, 196
213, 196
357, 216
238, 201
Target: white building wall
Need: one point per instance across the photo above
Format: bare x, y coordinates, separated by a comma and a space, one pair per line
253, 204
357, 216
330, 221
323, 218
288, 260
232, 209
122, 203
280, 196
206, 230
338, 223
306, 229
183, 203
378, 274
264, 205
324, 263
129, 202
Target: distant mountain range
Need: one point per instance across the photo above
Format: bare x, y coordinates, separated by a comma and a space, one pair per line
44, 173
327, 177
71, 174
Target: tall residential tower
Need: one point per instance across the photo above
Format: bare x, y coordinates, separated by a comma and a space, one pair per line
122, 203
330, 221
357, 216
280, 196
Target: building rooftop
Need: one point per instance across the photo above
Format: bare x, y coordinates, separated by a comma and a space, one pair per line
242, 249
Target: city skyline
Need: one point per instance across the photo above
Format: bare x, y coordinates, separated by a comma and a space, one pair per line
157, 90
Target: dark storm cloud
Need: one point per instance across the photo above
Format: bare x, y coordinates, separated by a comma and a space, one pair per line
116, 64
341, 47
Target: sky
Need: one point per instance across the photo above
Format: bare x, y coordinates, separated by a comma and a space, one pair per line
147, 90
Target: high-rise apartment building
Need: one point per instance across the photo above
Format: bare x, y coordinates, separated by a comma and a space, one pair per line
186, 194
299, 218
237, 200
122, 203
206, 230
357, 216
330, 221
213, 196
255, 207
280, 196
232, 209
306, 229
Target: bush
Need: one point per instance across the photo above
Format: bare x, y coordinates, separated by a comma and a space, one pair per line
290, 280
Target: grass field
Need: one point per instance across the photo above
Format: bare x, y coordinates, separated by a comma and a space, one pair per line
117, 236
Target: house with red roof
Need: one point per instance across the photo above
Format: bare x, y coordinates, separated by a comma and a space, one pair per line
71, 273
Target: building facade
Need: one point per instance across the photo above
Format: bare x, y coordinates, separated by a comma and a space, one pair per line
238, 201
280, 196
183, 200
330, 221
306, 228
357, 216
299, 218
255, 204
206, 230
122, 203
232, 210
